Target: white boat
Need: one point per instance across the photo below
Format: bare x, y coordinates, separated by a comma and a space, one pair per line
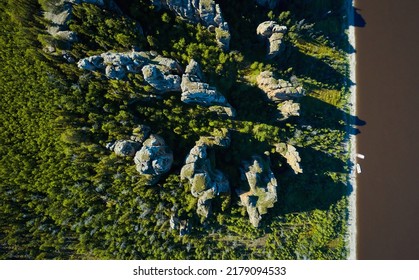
361, 156
358, 168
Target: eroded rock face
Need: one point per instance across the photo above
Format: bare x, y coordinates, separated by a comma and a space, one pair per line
195, 91
291, 154
274, 33
206, 182
259, 190
160, 72
206, 12
278, 89
268, 3
154, 158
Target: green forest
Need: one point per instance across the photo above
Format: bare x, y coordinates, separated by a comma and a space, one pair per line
64, 195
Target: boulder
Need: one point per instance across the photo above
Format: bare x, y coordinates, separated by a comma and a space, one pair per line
125, 148
154, 158
206, 182
182, 225
195, 91
258, 192
274, 33
289, 108
291, 154
278, 89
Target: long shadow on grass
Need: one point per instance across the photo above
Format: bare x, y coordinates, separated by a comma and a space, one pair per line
319, 114
314, 188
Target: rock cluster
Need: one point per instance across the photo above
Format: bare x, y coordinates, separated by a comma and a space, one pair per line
278, 89
154, 158
206, 12
196, 91
274, 33
160, 72
268, 3
290, 153
259, 190
206, 182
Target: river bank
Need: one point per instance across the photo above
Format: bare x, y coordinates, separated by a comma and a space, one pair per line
352, 228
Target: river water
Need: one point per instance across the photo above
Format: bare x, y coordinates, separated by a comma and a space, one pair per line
388, 101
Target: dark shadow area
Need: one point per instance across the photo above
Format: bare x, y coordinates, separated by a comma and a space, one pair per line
309, 66
320, 114
251, 104
314, 188
358, 19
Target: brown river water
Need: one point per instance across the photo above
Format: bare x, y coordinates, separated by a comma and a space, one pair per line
387, 50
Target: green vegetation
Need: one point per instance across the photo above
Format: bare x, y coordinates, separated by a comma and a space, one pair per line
65, 196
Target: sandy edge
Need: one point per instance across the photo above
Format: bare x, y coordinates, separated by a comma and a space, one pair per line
352, 229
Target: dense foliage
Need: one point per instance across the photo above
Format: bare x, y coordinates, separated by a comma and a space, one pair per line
65, 196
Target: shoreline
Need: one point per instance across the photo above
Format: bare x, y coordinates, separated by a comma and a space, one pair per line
352, 227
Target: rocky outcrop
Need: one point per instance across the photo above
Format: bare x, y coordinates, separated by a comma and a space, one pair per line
274, 33
206, 12
289, 108
278, 89
206, 182
59, 13
160, 72
270, 4
290, 153
153, 159
259, 189
124, 148
195, 91
159, 79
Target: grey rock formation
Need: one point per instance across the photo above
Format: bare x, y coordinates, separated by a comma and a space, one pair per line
124, 147
270, 4
154, 158
206, 182
274, 33
278, 89
160, 72
206, 12
259, 190
289, 108
159, 80
291, 154
195, 91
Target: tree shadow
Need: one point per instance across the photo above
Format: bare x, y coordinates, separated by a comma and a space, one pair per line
309, 66
319, 114
314, 188
358, 20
